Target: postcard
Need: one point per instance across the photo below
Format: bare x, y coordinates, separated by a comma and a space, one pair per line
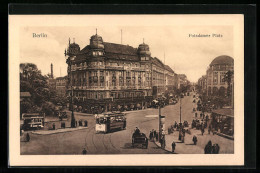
126, 90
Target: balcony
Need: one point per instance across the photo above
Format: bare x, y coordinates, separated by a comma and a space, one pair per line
114, 67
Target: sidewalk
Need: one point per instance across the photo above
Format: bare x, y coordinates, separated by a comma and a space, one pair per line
48, 132
226, 145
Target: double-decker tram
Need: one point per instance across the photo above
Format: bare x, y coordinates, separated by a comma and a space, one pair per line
110, 121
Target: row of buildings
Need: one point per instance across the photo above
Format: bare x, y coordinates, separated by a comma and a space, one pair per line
218, 81
104, 76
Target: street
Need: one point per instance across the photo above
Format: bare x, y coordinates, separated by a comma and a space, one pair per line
118, 142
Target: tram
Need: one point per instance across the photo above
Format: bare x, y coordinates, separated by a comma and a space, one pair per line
110, 121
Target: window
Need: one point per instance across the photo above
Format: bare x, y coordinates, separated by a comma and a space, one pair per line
222, 77
215, 78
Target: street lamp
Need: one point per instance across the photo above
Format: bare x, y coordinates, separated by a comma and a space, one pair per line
180, 127
72, 123
180, 110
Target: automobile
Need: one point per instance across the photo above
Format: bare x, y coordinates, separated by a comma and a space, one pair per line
139, 139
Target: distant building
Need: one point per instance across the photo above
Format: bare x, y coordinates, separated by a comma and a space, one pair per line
202, 83
216, 84
106, 75
61, 86
52, 83
182, 80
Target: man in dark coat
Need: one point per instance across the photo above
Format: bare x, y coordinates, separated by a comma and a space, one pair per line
175, 124
202, 129
150, 136
208, 148
84, 151
194, 139
173, 146
217, 148
28, 137
214, 149
154, 133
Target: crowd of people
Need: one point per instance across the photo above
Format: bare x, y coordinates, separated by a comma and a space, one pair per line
153, 135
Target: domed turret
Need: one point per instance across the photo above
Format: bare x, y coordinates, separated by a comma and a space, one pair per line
96, 42
222, 60
143, 50
73, 48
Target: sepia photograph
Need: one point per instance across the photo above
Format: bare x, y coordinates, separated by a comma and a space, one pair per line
127, 85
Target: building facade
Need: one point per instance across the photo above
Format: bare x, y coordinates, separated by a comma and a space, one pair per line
202, 83
216, 84
61, 86
107, 76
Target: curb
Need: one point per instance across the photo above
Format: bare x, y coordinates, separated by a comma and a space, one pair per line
35, 133
224, 135
162, 148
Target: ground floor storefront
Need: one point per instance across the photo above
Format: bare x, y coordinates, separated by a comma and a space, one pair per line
105, 105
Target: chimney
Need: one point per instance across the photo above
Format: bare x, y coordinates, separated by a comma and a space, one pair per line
51, 70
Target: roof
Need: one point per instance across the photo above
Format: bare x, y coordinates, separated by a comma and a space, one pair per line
119, 51
222, 60
120, 48
86, 49
157, 62
224, 111
112, 51
25, 94
168, 68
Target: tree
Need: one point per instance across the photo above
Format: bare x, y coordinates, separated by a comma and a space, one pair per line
228, 78
31, 80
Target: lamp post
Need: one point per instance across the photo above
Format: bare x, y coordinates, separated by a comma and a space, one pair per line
72, 123
180, 126
180, 110
161, 127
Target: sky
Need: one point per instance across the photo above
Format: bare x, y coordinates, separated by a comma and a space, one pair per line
184, 54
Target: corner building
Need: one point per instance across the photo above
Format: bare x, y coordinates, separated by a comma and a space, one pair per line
107, 76
216, 84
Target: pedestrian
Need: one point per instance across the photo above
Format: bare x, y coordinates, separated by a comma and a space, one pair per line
200, 115
175, 124
28, 137
150, 136
84, 151
53, 126
217, 148
202, 130
154, 133
214, 149
196, 114
194, 139
182, 137
173, 146
209, 129
208, 148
